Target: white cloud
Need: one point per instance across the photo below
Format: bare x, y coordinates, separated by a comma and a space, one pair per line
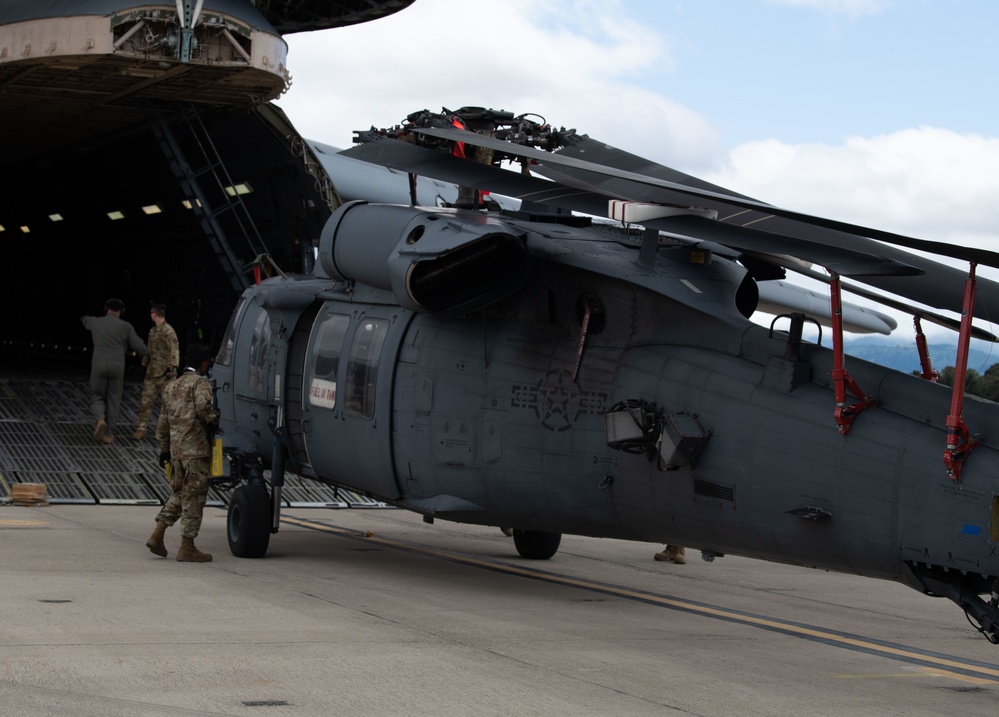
925, 182
577, 63
582, 64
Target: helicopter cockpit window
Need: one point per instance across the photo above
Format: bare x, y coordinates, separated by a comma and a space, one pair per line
257, 369
224, 357
362, 369
326, 360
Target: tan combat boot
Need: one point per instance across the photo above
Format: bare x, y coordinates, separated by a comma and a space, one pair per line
189, 554
155, 542
139, 434
672, 554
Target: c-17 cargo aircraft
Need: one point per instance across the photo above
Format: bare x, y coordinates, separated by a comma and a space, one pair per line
143, 159
546, 370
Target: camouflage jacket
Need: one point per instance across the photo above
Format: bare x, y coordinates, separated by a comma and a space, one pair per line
184, 417
164, 351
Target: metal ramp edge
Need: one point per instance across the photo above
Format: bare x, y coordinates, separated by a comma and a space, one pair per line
46, 437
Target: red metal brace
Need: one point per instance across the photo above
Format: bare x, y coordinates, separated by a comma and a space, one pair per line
842, 381
925, 364
959, 438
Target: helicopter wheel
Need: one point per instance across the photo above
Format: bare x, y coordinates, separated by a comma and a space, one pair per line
248, 521
536, 545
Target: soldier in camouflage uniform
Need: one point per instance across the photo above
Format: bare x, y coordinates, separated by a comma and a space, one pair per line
186, 417
161, 366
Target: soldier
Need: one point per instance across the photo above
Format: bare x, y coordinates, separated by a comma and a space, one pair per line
112, 338
672, 554
186, 417
161, 366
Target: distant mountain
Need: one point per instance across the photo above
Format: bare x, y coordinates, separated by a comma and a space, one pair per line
904, 357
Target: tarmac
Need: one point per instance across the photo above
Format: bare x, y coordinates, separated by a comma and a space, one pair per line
359, 609
374, 612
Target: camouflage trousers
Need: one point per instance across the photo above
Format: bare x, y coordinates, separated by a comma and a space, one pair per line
189, 481
152, 389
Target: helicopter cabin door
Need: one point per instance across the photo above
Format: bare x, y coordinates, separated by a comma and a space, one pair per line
347, 382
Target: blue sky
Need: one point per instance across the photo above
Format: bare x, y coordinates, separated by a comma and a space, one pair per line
817, 72
877, 112
796, 70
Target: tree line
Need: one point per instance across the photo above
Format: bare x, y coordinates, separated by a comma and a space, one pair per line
985, 385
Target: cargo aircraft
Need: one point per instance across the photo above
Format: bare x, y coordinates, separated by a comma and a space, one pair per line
586, 362
143, 158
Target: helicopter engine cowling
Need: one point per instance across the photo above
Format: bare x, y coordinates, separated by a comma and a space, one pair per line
434, 261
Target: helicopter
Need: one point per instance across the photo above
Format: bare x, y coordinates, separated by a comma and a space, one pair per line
585, 363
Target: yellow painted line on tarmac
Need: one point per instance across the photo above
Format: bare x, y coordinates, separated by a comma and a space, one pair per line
886, 675
934, 663
22, 523
921, 672
957, 676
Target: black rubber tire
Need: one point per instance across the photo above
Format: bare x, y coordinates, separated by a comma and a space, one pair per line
248, 523
535, 545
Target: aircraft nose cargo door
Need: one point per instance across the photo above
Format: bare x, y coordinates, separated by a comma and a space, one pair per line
348, 371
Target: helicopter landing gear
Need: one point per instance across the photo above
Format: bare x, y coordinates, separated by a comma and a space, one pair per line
966, 590
248, 521
535, 545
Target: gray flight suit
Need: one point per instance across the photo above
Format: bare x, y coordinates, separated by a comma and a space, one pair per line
113, 337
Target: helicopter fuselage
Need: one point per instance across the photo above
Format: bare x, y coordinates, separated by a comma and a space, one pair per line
609, 396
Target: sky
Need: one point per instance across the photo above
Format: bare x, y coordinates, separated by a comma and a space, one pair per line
882, 113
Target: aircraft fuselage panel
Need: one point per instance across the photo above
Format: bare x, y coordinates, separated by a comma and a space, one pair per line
489, 420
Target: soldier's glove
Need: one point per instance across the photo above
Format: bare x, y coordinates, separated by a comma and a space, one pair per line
164, 459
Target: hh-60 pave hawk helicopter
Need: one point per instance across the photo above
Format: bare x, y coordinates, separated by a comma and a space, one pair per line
552, 373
